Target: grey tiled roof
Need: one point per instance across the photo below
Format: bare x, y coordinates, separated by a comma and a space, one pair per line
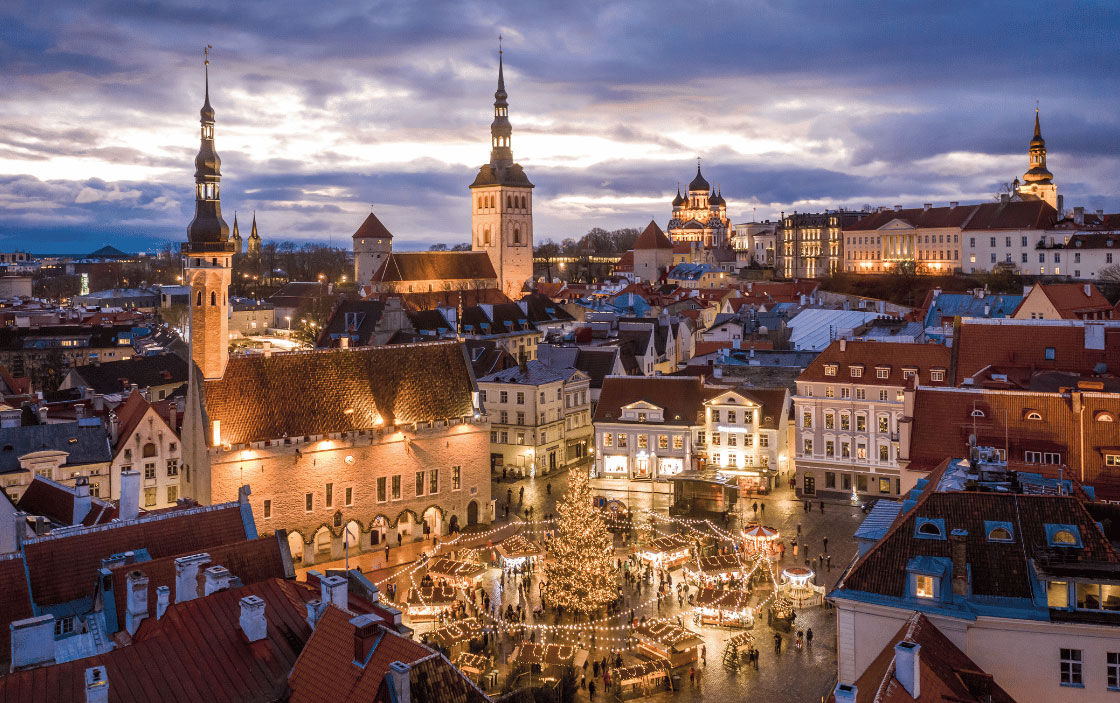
85, 444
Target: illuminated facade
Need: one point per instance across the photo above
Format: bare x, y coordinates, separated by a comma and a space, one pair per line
700, 215
810, 245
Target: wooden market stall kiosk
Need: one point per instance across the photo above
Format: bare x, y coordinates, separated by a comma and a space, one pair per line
549, 659
455, 639
661, 639
717, 570
638, 680
459, 574
517, 550
724, 607
475, 666
666, 552
427, 603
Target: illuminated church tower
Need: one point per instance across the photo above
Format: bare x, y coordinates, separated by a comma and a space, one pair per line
502, 204
1038, 181
208, 255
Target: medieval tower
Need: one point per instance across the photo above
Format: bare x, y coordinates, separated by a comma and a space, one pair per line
502, 204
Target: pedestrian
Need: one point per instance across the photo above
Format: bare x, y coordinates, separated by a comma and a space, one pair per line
763, 509
691, 676
809, 637
794, 547
399, 540
756, 507
521, 495
509, 495
704, 654
777, 643
548, 487
822, 507
799, 529
826, 545
591, 690
828, 561
386, 554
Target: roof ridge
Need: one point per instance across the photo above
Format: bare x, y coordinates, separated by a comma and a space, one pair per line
151, 517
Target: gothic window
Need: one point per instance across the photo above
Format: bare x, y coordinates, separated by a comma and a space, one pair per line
199, 299
486, 236
213, 298
524, 202
509, 202
516, 236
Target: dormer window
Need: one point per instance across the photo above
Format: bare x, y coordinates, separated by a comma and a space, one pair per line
855, 371
977, 413
1034, 416
830, 369
882, 372
937, 375
1059, 535
925, 586
930, 528
998, 531
909, 372
1105, 417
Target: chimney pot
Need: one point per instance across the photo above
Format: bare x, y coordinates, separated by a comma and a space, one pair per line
953, 203
136, 600
253, 622
163, 598
129, 505
958, 550
1088, 290
217, 579
186, 576
926, 206
333, 591
907, 667
845, 693
399, 678
366, 630
314, 608
97, 685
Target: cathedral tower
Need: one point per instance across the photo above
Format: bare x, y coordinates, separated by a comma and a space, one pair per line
1038, 181
238, 243
254, 239
502, 204
208, 255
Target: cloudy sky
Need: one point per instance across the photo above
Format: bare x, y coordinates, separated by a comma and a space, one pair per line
325, 113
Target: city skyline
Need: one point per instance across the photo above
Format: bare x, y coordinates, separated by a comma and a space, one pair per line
320, 118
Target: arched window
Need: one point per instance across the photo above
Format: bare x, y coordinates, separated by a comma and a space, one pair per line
1034, 416
1000, 534
1064, 537
516, 236
524, 203
213, 298
509, 202
486, 236
977, 413
199, 298
930, 529
149, 450
1105, 417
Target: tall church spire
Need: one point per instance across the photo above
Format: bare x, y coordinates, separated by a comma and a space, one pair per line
500, 152
1038, 172
207, 228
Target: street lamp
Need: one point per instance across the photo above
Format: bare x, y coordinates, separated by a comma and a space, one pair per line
289, 319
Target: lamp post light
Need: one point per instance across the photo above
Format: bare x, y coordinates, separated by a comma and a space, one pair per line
289, 319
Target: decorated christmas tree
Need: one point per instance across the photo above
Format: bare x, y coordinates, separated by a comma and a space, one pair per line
580, 575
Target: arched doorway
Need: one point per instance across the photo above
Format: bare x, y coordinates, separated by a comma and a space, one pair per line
433, 521
405, 524
453, 525
295, 545
322, 541
378, 530
472, 513
352, 537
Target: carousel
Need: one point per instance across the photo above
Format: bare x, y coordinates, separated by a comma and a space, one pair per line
459, 574
709, 572
517, 551
666, 552
760, 539
724, 608
428, 603
797, 587
664, 640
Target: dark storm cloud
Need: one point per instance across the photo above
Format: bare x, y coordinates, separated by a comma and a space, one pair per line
846, 103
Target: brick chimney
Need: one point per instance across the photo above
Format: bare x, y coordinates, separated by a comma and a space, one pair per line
959, 553
907, 667
136, 600
398, 676
253, 622
366, 631
129, 505
186, 576
32, 642
97, 685
163, 598
217, 579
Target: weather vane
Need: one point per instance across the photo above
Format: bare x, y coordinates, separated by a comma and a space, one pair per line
499, 45
206, 54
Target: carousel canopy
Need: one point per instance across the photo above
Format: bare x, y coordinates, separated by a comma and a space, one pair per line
760, 532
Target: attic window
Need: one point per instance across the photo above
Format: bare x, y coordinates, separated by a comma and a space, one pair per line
1034, 416
855, 371
73, 440
830, 369
930, 528
977, 413
1105, 417
998, 531
1063, 535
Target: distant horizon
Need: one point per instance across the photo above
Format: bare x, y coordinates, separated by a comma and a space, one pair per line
321, 117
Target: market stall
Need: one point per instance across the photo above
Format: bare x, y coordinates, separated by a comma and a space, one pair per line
549, 659
724, 607
662, 639
781, 615
718, 570
639, 680
474, 666
518, 550
427, 603
460, 574
666, 552
455, 639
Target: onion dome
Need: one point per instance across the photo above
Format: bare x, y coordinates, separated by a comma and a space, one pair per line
717, 199
679, 200
699, 183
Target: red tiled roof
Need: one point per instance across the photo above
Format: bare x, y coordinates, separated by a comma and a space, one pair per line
15, 603
869, 356
372, 229
1070, 299
681, 398
625, 262
250, 561
943, 422
195, 652
652, 238
946, 673
64, 567
325, 670
434, 265
1024, 343
49, 499
339, 390
129, 413
17, 386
